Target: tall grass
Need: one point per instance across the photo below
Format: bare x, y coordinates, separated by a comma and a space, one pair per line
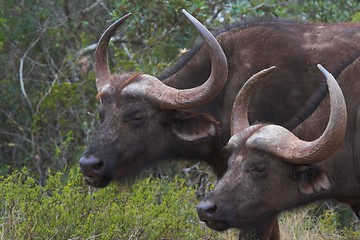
316, 223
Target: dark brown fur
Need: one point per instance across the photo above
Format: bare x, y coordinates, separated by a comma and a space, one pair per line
258, 185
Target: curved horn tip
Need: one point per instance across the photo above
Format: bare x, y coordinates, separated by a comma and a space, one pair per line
257, 75
324, 71
120, 20
185, 12
193, 20
127, 15
266, 70
123, 18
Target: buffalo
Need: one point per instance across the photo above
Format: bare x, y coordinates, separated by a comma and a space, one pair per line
272, 169
185, 113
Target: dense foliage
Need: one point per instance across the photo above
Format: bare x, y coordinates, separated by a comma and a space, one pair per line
48, 106
67, 209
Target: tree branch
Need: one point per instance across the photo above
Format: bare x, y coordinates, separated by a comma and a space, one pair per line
91, 7
21, 67
91, 48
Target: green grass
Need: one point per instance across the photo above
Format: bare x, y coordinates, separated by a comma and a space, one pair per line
66, 208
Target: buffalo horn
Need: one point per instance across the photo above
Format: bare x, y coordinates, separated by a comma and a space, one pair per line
102, 71
239, 116
154, 90
280, 142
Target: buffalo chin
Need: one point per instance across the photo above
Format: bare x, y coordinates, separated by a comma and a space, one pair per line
98, 183
217, 225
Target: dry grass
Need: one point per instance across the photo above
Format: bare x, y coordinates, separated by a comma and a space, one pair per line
309, 224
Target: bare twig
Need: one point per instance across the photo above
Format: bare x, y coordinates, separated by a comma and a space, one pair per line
45, 95
128, 53
21, 67
86, 50
91, 48
14, 135
51, 64
19, 126
91, 7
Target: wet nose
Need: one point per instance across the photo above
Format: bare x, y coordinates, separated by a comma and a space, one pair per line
206, 208
90, 165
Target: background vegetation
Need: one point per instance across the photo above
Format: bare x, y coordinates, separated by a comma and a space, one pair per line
48, 111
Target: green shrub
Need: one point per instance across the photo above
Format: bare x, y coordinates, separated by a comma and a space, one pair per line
66, 208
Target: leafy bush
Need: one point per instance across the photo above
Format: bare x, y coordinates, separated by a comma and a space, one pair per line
315, 10
66, 208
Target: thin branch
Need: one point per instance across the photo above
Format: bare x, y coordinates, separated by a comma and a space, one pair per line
14, 121
51, 64
92, 6
86, 50
130, 56
11, 134
21, 67
91, 48
45, 95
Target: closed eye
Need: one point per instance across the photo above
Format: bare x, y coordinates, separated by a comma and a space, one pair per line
260, 171
137, 117
134, 117
133, 114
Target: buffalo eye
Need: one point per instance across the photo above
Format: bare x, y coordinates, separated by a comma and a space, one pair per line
137, 120
134, 117
260, 171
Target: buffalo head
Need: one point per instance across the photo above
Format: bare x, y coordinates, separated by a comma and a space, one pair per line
142, 118
270, 169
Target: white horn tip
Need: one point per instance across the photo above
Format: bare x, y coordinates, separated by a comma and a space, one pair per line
324, 71
188, 15
271, 68
266, 70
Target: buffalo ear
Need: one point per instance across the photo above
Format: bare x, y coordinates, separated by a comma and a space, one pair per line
192, 126
311, 179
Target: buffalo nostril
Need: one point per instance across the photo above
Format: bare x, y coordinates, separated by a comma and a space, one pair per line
90, 163
207, 207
